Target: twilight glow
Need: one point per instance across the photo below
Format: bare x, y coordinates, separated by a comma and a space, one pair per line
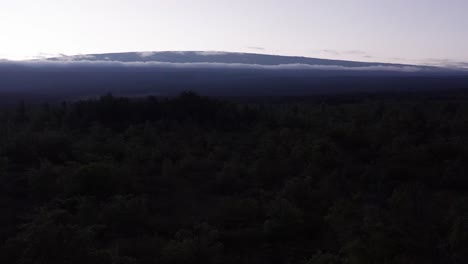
417, 31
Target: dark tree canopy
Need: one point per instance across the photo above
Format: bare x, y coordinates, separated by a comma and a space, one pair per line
192, 179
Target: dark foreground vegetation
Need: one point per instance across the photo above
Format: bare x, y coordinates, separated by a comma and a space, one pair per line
197, 180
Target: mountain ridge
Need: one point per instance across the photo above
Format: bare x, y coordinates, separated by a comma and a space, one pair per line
223, 57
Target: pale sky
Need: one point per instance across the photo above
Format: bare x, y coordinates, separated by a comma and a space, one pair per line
416, 31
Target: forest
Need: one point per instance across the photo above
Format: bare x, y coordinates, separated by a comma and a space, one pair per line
193, 179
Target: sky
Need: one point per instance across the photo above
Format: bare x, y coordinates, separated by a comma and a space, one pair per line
403, 31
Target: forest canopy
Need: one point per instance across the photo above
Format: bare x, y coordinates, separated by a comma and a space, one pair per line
193, 179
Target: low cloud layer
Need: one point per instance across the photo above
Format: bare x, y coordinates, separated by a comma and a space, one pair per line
210, 53
65, 58
64, 63
447, 63
146, 54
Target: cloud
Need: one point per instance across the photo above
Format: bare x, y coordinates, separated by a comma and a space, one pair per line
45, 55
146, 54
358, 53
256, 48
66, 58
72, 64
210, 53
449, 63
332, 52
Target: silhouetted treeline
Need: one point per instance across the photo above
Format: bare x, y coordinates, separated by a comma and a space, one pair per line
198, 180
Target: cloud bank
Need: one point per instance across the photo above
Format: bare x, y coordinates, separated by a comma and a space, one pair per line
146, 54
66, 63
210, 53
73, 58
449, 63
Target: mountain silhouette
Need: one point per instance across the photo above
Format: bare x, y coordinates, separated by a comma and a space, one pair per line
219, 57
